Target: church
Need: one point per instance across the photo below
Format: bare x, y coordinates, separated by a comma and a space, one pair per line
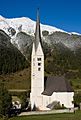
46, 91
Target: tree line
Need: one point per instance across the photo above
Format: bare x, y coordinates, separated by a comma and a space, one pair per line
11, 60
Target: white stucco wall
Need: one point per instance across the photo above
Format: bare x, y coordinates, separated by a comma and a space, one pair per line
37, 85
43, 101
37, 76
65, 98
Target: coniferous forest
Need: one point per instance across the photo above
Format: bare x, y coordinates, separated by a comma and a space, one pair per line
11, 59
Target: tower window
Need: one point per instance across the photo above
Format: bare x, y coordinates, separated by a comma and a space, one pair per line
39, 69
39, 59
39, 64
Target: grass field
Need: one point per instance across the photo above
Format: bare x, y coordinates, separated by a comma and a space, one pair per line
76, 83
21, 80
18, 80
64, 116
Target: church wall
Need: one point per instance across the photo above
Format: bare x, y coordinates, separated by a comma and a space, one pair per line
37, 71
36, 101
37, 76
65, 98
37, 86
42, 101
37, 79
46, 101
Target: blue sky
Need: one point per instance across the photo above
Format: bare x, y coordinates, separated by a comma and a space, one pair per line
63, 14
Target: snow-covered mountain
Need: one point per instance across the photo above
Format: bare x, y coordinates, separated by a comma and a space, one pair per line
62, 49
25, 24
21, 30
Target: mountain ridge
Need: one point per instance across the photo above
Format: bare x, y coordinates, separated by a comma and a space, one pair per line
21, 31
29, 24
14, 26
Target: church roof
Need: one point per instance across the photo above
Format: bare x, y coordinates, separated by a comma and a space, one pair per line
56, 84
37, 32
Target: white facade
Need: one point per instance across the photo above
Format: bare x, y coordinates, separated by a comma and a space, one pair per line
64, 98
37, 76
37, 80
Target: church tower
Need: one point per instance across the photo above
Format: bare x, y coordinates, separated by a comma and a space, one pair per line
37, 68
57, 89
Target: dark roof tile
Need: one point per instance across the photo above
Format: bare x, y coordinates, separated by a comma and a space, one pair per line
56, 84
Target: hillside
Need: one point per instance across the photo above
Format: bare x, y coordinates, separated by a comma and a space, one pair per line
62, 51
19, 80
11, 59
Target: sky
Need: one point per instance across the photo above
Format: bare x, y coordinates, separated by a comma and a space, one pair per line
63, 14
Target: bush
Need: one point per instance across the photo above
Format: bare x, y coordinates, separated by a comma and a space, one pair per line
5, 101
77, 99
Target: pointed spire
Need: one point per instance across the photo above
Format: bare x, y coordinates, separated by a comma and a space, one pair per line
37, 32
38, 14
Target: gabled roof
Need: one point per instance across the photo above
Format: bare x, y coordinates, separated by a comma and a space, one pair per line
56, 84
37, 32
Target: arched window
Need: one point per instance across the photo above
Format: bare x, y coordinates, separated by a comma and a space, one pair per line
39, 69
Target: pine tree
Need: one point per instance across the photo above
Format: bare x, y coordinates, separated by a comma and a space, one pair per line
5, 100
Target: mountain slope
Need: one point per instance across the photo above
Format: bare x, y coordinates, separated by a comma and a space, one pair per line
69, 40
24, 28
62, 50
11, 59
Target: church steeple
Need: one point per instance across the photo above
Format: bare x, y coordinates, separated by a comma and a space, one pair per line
37, 68
37, 32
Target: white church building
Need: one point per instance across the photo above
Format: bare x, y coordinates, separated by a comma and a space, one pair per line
46, 91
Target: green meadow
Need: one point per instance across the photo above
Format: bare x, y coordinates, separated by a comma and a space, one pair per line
61, 116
